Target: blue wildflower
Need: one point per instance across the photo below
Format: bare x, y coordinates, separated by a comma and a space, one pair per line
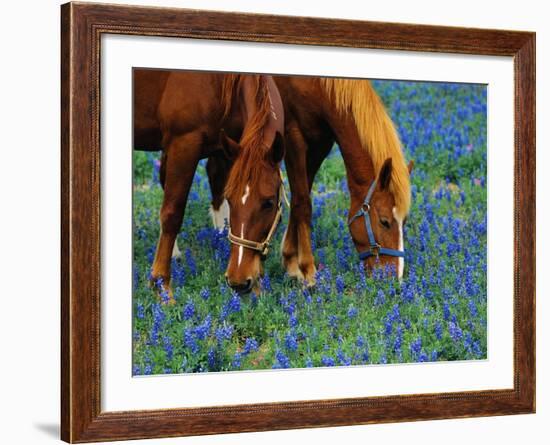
189, 310
291, 342
250, 345
352, 311
205, 293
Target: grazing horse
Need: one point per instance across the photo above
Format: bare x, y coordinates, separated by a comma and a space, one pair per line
191, 116
319, 112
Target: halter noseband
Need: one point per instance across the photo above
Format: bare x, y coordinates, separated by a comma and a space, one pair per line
375, 249
263, 247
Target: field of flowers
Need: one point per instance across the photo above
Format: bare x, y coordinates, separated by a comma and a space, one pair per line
437, 313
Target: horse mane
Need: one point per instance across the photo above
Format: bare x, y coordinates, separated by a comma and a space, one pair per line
376, 130
253, 149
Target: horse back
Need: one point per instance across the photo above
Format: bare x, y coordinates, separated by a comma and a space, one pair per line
149, 86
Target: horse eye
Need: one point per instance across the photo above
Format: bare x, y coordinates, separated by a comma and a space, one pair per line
268, 204
385, 223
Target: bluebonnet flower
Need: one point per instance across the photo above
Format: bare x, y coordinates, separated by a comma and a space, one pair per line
293, 321
455, 331
416, 347
140, 311
438, 330
168, 348
398, 339
282, 360
291, 342
190, 260
236, 360
407, 293
342, 358
380, 298
158, 319
224, 333
388, 326
189, 310
250, 345
231, 306
190, 340
327, 360
342, 260
211, 357
205, 293
307, 296
473, 308
352, 311
266, 283
340, 284
203, 330
446, 311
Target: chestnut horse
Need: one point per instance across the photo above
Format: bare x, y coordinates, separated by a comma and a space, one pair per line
191, 116
318, 113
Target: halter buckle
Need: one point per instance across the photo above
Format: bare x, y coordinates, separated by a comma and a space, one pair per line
375, 250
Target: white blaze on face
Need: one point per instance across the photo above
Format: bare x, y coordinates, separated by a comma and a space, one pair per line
243, 200
400, 260
241, 247
246, 193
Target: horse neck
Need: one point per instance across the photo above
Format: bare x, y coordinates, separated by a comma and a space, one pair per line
359, 166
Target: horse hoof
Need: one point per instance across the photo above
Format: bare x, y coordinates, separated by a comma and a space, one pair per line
163, 292
292, 268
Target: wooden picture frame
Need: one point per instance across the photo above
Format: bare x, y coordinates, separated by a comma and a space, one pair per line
82, 26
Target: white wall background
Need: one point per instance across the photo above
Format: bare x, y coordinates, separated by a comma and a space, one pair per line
29, 218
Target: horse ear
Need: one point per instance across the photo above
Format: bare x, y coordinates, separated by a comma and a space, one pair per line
410, 166
277, 152
385, 174
229, 147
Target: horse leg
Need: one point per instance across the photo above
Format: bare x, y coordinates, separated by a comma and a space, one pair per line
217, 169
176, 253
297, 255
182, 155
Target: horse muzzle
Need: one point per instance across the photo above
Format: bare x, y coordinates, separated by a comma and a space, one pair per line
241, 288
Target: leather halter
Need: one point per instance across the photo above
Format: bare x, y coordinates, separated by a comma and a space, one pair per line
375, 249
263, 247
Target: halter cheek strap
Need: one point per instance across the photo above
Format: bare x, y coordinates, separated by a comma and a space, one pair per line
375, 249
263, 247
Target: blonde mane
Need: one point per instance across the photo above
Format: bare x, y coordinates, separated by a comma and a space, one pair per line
376, 130
253, 149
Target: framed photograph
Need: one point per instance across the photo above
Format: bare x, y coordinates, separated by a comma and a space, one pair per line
275, 222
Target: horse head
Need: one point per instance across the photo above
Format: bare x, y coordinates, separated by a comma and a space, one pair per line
375, 225
254, 189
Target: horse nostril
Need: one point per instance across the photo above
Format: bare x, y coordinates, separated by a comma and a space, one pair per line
241, 288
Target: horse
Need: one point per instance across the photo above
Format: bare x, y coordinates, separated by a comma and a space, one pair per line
318, 113
192, 116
